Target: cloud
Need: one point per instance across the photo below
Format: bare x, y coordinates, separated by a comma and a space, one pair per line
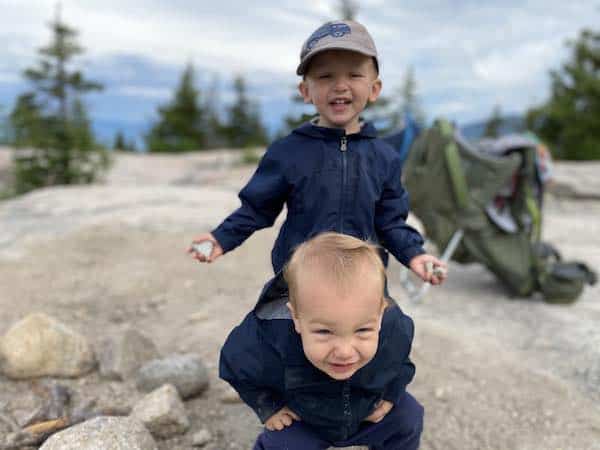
145, 92
467, 54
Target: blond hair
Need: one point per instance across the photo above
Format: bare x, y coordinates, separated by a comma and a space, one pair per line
335, 257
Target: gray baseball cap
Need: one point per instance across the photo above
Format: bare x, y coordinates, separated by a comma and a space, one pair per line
337, 35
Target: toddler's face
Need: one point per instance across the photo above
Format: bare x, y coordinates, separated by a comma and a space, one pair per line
340, 83
339, 330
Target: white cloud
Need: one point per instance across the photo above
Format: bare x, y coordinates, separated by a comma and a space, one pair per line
145, 92
467, 55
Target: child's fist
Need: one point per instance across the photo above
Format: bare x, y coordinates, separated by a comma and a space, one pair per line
281, 419
383, 407
201, 257
429, 268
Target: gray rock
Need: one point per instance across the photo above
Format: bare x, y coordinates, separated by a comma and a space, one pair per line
103, 433
40, 346
120, 356
162, 412
186, 372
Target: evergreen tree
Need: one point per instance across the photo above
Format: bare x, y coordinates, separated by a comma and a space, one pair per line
388, 113
213, 125
570, 120
51, 123
244, 127
347, 9
4, 128
119, 142
494, 123
180, 126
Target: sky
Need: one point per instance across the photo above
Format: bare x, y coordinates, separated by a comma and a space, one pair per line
467, 55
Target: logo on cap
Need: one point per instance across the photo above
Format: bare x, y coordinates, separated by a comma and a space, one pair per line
329, 29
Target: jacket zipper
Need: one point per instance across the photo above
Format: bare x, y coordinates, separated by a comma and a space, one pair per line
347, 408
343, 148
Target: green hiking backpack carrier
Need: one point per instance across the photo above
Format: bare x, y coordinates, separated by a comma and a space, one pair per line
495, 200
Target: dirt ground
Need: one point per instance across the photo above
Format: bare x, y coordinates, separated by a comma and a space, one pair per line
493, 372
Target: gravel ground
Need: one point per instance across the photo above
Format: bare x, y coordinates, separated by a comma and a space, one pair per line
493, 372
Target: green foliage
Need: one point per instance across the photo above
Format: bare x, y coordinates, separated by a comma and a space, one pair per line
388, 112
243, 127
348, 9
180, 126
49, 125
4, 128
493, 124
569, 121
121, 144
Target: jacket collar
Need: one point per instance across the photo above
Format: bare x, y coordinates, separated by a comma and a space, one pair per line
310, 129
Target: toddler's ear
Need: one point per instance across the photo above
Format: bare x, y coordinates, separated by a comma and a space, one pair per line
375, 90
304, 91
294, 318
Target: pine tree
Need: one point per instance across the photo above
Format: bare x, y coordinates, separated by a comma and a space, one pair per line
244, 127
180, 126
569, 121
388, 112
212, 123
119, 142
51, 123
4, 128
348, 9
494, 123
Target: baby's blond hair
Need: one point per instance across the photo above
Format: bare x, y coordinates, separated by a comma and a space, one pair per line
340, 259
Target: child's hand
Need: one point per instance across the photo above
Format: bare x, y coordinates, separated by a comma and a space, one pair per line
216, 250
383, 407
429, 268
281, 419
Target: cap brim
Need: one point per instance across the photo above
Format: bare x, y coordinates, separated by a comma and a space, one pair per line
301, 69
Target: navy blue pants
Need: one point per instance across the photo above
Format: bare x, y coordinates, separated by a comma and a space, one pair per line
400, 429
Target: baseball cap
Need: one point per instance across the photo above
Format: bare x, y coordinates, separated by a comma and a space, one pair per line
337, 35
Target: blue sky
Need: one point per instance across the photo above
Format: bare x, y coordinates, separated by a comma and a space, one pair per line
467, 55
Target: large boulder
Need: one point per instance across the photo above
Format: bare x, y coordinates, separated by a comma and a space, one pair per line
122, 354
186, 372
103, 433
39, 346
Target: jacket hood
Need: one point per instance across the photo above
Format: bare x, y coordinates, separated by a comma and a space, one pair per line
367, 130
272, 302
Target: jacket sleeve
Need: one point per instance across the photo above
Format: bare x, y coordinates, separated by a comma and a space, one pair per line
403, 368
391, 211
252, 368
262, 200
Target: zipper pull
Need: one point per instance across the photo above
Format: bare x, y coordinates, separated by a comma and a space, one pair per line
344, 144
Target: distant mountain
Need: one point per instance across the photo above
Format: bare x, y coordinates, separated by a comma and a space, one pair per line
510, 124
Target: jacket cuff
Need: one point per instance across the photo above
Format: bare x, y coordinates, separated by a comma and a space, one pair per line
394, 392
267, 408
224, 240
409, 253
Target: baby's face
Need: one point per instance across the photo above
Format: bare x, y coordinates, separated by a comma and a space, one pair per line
339, 330
340, 83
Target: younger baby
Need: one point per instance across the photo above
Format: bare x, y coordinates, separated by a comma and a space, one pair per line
323, 358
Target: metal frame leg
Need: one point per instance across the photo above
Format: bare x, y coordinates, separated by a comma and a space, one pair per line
416, 293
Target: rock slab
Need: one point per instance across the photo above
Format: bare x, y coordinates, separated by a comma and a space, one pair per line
39, 346
103, 433
121, 355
